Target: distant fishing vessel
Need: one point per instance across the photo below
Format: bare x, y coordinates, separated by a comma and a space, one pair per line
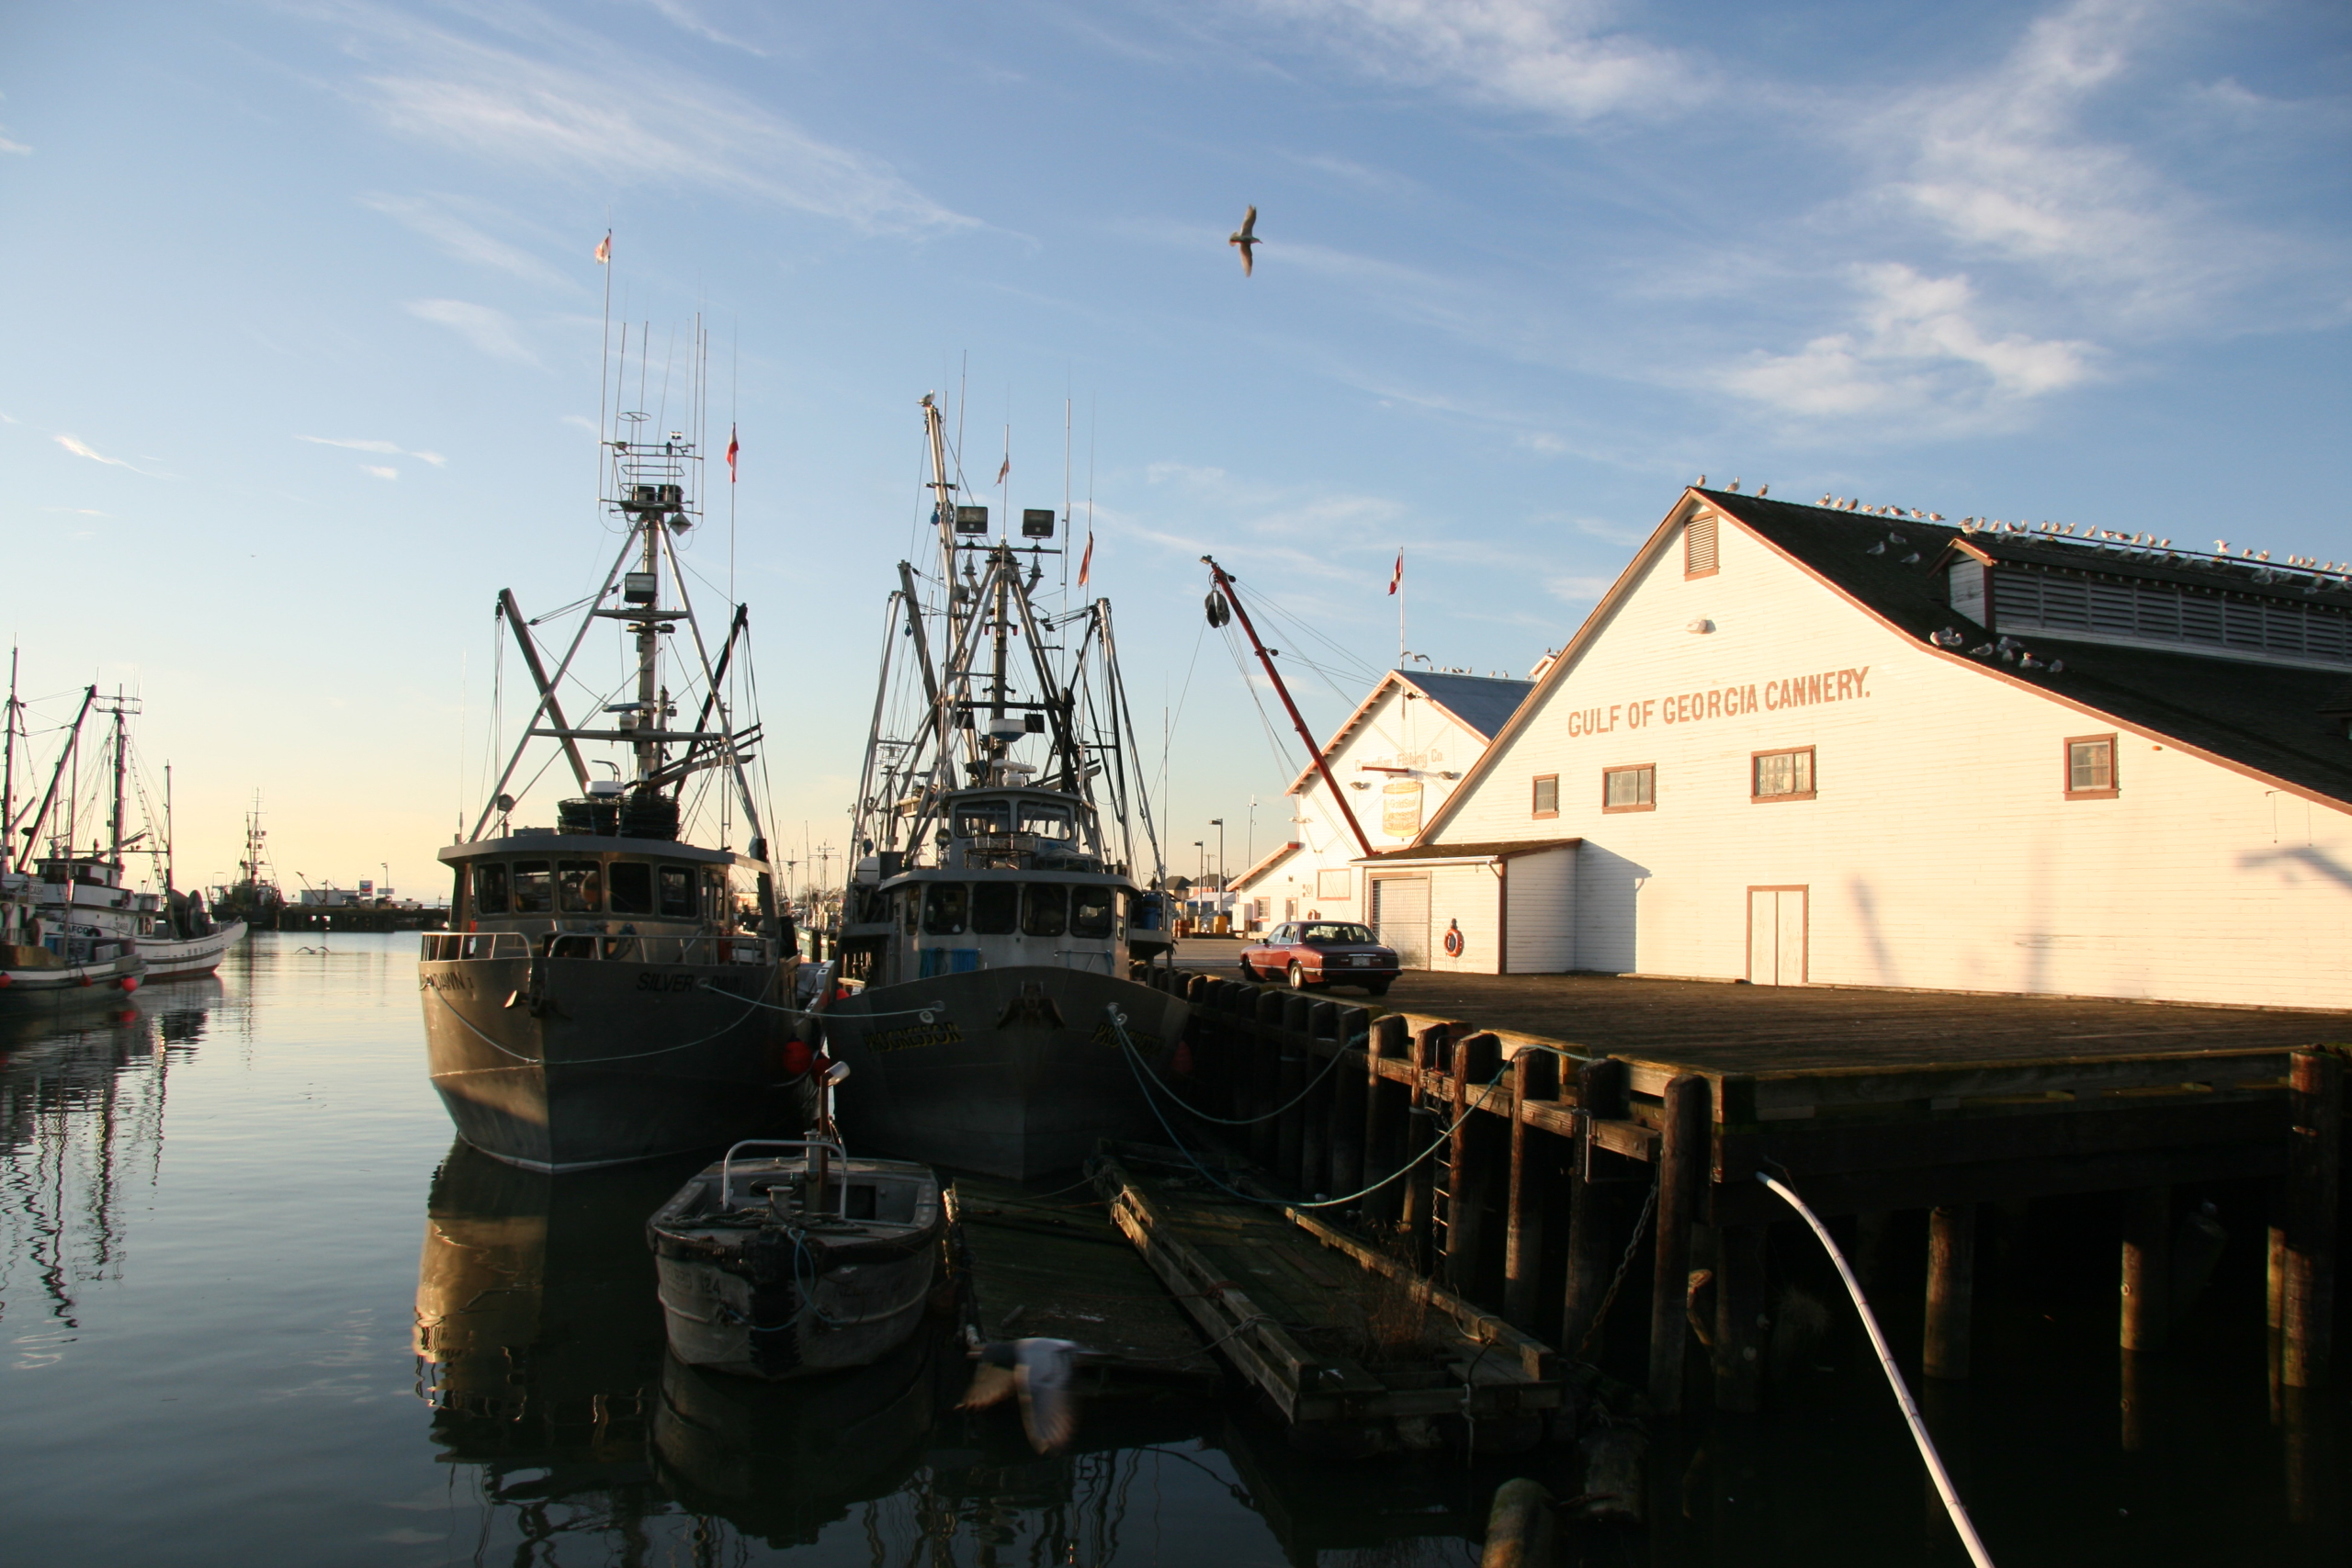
992, 910
74, 923
608, 991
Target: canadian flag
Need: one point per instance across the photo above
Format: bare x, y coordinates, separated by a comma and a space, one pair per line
604, 248
1397, 578
1086, 561
1006, 469
733, 446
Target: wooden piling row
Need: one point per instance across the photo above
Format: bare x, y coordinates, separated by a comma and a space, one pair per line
1525, 1162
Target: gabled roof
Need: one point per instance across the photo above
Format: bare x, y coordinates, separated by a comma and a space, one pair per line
1266, 863
1502, 849
2279, 722
1480, 703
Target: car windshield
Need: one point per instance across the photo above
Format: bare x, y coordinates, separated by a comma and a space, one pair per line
1327, 934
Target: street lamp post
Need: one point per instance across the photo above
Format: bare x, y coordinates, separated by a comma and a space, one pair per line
1218, 823
1201, 872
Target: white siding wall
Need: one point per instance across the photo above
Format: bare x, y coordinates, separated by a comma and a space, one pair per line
1940, 850
1471, 896
1395, 728
1541, 931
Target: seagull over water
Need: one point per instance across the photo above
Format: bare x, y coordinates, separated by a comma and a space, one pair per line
1043, 1373
1245, 237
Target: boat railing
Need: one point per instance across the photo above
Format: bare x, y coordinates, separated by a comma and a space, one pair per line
809, 1147
442, 947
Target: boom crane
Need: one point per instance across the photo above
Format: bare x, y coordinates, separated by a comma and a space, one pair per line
1224, 586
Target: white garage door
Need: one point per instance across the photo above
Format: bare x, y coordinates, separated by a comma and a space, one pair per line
1776, 936
1400, 918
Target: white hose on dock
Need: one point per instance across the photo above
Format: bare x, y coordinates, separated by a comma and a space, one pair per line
1960, 1521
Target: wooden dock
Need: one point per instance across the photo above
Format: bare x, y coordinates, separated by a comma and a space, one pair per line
1862, 1101
1054, 1267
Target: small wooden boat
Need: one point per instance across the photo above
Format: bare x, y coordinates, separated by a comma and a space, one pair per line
792, 1265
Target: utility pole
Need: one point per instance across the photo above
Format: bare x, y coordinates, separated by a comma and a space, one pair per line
1218, 823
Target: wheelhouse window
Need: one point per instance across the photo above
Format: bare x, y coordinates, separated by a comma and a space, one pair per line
946, 908
1628, 789
1782, 776
534, 887
490, 888
628, 887
1547, 794
2090, 767
714, 894
1045, 909
579, 886
996, 908
1046, 821
676, 886
980, 818
1089, 912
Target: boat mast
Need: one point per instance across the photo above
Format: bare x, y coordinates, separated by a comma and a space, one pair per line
64, 764
9, 769
115, 826
649, 653
169, 865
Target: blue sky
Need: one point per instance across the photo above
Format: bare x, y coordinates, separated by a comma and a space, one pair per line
303, 328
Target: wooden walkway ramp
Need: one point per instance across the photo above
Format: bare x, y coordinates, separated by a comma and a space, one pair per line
1358, 1354
1053, 1266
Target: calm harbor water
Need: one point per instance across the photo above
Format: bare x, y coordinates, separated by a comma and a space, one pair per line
233, 1215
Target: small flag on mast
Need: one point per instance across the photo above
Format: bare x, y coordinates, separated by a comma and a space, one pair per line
1086, 562
1397, 578
605, 249
733, 446
1006, 469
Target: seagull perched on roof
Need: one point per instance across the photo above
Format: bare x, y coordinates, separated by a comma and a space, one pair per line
1245, 237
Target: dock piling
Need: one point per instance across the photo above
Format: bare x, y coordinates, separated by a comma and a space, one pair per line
1473, 1171
2314, 1155
1600, 1094
1534, 1162
2147, 1267
1347, 1102
1683, 1156
1520, 1528
1386, 1107
1740, 1317
1290, 1127
1265, 1076
1314, 1115
1422, 1130
1952, 1285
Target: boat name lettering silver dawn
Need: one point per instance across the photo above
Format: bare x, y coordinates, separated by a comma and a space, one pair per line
649, 980
1725, 701
915, 1036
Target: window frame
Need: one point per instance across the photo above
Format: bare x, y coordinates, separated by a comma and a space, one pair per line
1811, 773
1535, 796
1649, 805
2066, 763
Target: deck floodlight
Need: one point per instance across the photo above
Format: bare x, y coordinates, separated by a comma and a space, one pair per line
1036, 522
1035, 722
971, 519
639, 587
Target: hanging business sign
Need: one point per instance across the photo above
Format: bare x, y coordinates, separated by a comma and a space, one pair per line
1400, 808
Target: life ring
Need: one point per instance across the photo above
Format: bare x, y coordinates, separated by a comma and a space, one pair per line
1454, 939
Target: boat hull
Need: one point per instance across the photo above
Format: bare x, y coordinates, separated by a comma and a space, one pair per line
177, 958
70, 985
562, 1064
1018, 1074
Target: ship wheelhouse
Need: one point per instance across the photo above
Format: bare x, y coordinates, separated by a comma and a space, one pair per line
584, 895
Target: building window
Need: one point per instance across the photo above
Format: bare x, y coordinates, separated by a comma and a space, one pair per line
1547, 794
1628, 789
2090, 767
1699, 547
1782, 776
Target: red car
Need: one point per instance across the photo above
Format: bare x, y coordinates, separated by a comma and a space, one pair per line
1311, 954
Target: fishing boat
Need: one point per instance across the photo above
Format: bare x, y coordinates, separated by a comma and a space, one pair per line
609, 991
775, 1267
74, 923
994, 916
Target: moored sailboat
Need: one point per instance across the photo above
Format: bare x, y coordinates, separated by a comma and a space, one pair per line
994, 910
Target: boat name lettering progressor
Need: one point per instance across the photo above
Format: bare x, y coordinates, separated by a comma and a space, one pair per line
446, 981
949, 1034
1145, 1041
1808, 690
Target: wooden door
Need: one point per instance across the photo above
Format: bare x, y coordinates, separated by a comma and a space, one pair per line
1777, 928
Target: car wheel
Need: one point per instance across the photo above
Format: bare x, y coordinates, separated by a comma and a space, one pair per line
1377, 987
1297, 977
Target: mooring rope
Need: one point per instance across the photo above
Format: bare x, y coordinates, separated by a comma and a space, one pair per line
1336, 1056
1119, 1026
1976, 1553
589, 1062
1609, 1297
925, 1013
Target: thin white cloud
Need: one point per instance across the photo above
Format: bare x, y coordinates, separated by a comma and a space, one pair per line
578, 106
16, 147
386, 448
78, 511
432, 218
686, 19
379, 472
81, 449
1915, 349
491, 332
1555, 58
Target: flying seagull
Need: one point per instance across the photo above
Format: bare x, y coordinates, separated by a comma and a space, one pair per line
1040, 1372
1245, 237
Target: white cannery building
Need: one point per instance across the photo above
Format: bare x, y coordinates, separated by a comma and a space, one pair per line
1827, 745
1398, 756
